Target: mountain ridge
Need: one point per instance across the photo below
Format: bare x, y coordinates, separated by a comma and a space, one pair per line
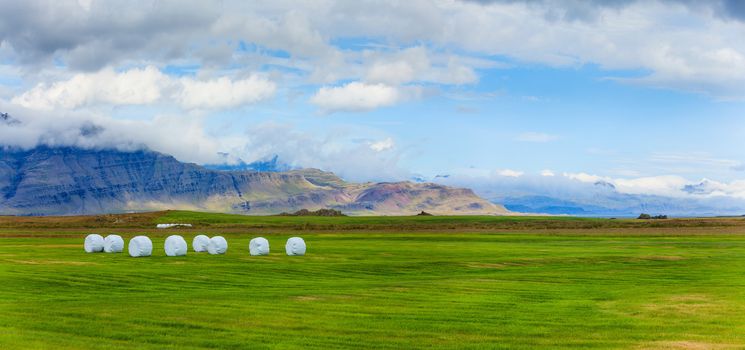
70, 181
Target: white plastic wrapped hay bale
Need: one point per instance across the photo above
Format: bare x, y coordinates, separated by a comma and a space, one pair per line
93, 243
140, 246
113, 244
258, 246
200, 243
295, 246
217, 245
175, 246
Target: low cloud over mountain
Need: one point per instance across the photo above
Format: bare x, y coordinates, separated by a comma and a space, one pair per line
589, 195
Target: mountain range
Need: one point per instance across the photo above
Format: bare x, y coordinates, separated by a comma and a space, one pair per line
602, 199
69, 180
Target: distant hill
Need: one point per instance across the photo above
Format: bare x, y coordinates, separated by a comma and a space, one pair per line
319, 212
66, 181
548, 205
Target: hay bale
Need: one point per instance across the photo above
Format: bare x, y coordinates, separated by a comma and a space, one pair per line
93, 243
172, 225
175, 246
113, 244
295, 246
217, 245
140, 246
200, 242
258, 246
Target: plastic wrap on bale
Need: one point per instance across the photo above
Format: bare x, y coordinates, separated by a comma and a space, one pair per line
258, 246
295, 246
200, 242
93, 243
113, 244
140, 246
217, 245
175, 246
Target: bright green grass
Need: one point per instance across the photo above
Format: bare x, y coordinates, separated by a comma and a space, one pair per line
391, 290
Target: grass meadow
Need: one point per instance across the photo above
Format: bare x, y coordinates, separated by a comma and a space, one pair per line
451, 283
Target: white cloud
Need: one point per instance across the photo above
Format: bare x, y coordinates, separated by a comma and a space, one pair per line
584, 177
144, 86
711, 188
510, 173
658, 185
224, 93
547, 173
665, 185
337, 150
132, 87
356, 97
537, 137
163, 133
382, 145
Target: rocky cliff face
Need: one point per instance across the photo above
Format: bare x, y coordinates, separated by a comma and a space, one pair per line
68, 181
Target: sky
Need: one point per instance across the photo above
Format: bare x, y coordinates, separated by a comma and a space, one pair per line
646, 95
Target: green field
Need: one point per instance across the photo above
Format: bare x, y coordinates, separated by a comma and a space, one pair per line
461, 283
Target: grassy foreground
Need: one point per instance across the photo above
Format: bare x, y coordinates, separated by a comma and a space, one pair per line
397, 290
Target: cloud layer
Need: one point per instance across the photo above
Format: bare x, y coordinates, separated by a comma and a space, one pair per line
515, 182
587, 194
686, 45
184, 137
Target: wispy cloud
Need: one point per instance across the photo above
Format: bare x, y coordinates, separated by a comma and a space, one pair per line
510, 173
537, 137
382, 145
695, 158
685, 164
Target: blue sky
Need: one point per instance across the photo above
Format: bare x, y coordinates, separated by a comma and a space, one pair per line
648, 95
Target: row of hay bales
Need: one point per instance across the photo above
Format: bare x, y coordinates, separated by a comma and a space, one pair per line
175, 245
